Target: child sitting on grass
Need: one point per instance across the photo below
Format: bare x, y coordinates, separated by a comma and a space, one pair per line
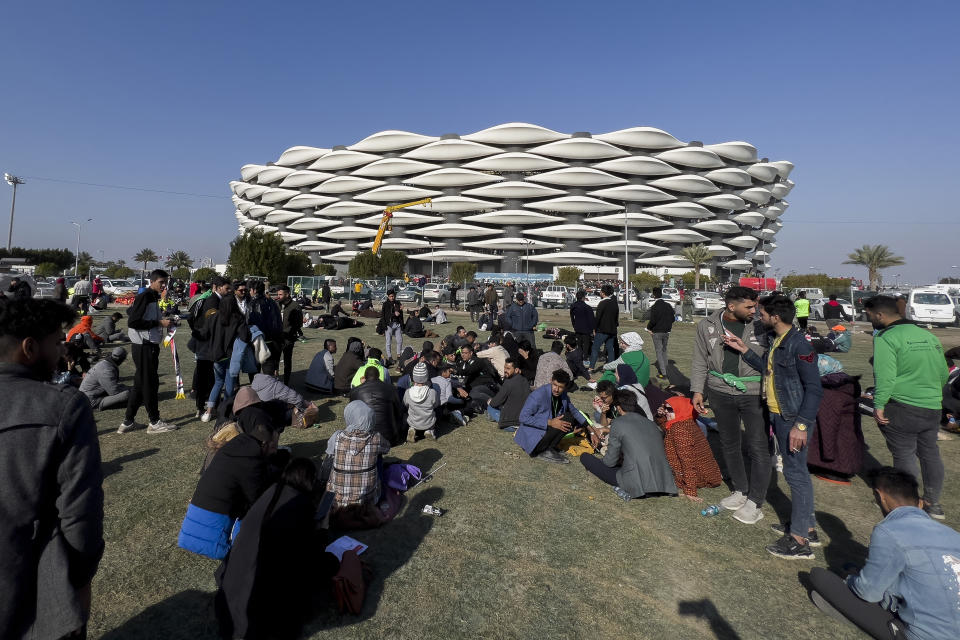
421, 401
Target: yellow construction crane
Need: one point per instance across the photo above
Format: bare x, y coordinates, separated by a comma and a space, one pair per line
385, 224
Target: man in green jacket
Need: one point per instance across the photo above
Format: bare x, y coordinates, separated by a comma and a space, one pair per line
909, 370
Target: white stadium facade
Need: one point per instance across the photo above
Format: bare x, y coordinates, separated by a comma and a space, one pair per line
518, 197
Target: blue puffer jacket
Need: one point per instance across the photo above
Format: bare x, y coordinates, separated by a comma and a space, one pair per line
796, 378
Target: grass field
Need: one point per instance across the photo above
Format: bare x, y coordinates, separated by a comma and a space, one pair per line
525, 549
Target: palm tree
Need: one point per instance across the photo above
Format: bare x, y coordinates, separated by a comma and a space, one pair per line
145, 256
179, 260
699, 255
874, 258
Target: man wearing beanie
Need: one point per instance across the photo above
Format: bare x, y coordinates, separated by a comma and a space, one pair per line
102, 385
421, 401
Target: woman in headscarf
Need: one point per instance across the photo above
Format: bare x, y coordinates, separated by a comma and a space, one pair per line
355, 452
687, 449
631, 346
529, 358
345, 370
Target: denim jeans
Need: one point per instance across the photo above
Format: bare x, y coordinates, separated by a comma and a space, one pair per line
221, 380
394, 331
493, 413
660, 346
797, 476
912, 434
600, 339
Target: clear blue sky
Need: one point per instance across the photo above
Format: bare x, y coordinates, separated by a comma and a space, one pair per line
862, 97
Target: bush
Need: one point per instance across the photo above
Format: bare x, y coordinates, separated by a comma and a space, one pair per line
462, 272
180, 274
644, 281
204, 273
256, 253
46, 269
689, 277
324, 269
366, 264
568, 276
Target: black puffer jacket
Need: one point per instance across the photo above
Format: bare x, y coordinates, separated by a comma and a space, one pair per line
229, 324
382, 398
345, 369
236, 477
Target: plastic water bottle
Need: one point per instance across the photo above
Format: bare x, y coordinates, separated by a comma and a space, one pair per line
712, 510
952, 423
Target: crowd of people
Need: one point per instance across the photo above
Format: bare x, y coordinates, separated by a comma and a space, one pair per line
754, 376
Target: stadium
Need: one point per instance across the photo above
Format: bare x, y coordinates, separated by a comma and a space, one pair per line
519, 197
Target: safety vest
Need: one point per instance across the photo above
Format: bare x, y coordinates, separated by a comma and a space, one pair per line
803, 307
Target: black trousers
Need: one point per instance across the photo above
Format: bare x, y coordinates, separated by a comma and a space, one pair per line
870, 617
730, 410
287, 361
585, 344
146, 381
550, 439
203, 382
595, 465
802, 322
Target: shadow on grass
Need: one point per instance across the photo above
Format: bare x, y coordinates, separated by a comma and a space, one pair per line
677, 378
706, 610
842, 547
165, 619
113, 466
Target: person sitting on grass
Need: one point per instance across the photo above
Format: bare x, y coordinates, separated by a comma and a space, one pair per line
631, 347
82, 333
635, 463
505, 407
529, 357
575, 359
374, 359
356, 452
421, 401
322, 369
494, 353
382, 398
549, 362
910, 584
547, 416
349, 364
102, 384
687, 449
452, 397
107, 328
438, 316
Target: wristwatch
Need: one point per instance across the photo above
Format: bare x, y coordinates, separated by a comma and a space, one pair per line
800, 426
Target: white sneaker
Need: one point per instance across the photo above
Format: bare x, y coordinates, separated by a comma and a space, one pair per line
749, 513
591, 385
411, 434
161, 427
207, 416
733, 501
430, 433
126, 426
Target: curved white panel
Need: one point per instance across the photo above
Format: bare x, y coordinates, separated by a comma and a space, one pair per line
673, 260
737, 150
391, 141
747, 242
456, 254
737, 264
304, 178
282, 215
342, 159
346, 184
514, 189
757, 195
287, 236
696, 157
576, 177
685, 183
517, 244
570, 231
300, 155
635, 220
315, 245
642, 137
390, 167
254, 191
580, 149
574, 204
732, 177
266, 228
680, 210
783, 168
347, 208
452, 177
259, 210
636, 246
348, 232
340, 256
402, 244
273, 174
244, 206
781, 189
456, 204
724, 201
249, 171
514, 161
396, 193
717, 226
570, 257
307, 223
685, 236
513, 216
639, 166
448, 150
774, 211
515, 133
749, 218
720, 251
453, 230
634, 193
308, 201
763, 171
402, 218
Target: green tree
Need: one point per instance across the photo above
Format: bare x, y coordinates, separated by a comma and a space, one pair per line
874, 258
698, 255
84, 262
695, 279
63, 258
145, 256
119, 271
181, 273
324, 269
393, 263
463, 272
644, 281
366, 264
179, 260
46, 269
568, 276
838, 286
204, 273
257, 253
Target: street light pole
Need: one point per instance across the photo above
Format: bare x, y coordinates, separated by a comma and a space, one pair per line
13, 181
76, 260
626, 262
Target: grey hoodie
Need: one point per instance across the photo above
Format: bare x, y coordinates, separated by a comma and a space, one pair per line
421, 402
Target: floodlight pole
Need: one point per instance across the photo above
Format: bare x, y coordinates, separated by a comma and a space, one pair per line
626, 262
76, 260
13, 181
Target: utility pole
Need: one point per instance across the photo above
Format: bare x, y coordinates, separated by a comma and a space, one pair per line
13, 181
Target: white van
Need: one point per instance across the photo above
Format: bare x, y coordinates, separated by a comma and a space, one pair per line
813, 293
929, 306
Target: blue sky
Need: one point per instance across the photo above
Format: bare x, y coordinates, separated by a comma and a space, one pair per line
177, 96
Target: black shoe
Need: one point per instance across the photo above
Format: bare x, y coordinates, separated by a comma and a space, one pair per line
813, 539
934, 510
556, 457
788, 547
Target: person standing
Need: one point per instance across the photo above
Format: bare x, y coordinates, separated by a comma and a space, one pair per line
490, 300
522, 318
146, 329
791, 386
733, 390
454, 288
325, 294
608, 319
81, 294
391, 316
802, 306
265, 315
292, 328
660, 324
910, 371
60, 290
509, 293
202, 331
584, 323
473, 303
51, 494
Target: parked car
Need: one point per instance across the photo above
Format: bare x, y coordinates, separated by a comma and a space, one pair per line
434, 292
117, 287
671, 295
706, 300
813, 293
816, 307
858, 299
409, 296
556, 296
593, 299
931, 307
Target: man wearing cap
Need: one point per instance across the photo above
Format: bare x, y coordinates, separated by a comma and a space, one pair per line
391, 317
102, 384
522, 317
